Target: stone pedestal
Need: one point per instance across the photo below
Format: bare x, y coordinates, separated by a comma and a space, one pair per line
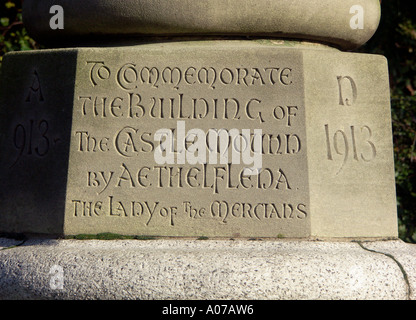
207, 270
223, 121
83, 142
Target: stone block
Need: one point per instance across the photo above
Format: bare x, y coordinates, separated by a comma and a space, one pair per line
82, 130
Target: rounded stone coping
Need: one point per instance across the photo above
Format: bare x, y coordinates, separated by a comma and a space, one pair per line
325, 21
210, 269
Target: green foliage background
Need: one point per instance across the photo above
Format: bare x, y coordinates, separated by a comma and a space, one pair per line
13, 36
395, 39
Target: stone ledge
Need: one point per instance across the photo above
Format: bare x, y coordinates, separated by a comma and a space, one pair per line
211, 269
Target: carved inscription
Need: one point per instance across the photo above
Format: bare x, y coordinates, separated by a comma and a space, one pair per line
352, 144
31, 139
213, 178
35, 90
180, 107
211, 101
131, 142
33, 136
223, 211
131, 76
347, 84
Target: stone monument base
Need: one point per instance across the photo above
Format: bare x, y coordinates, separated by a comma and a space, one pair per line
103, 130
188, 269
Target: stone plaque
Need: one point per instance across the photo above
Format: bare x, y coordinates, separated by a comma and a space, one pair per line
216, 139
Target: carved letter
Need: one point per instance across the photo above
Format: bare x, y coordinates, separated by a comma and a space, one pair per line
347, 101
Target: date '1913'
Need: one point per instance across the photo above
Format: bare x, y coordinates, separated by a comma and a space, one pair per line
360, 149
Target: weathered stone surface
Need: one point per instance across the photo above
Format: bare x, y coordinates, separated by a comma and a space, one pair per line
79, 127
35, 120
201, 270
344, 23
347, 105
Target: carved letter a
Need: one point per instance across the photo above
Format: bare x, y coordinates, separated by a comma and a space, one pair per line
35, 88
